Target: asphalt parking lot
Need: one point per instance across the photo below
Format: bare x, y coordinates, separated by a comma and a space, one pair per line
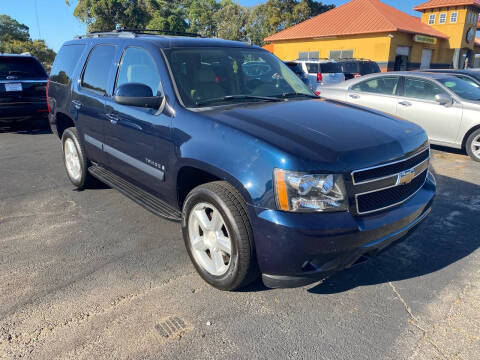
92, 275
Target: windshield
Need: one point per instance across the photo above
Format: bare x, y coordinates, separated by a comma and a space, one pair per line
462, 88
16, 67
219, 76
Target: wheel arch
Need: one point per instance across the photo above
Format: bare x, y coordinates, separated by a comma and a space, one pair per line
192, 173
62, 122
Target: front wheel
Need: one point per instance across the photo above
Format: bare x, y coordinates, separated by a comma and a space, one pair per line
473, 145
218, 236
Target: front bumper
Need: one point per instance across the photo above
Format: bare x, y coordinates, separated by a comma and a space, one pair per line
298, 249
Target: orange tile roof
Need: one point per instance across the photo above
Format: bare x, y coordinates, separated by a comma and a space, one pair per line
357, 17
432, 4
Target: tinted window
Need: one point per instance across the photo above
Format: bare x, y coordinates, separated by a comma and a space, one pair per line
386, 85
464, 89
21, 67
96, 73
330, 68
350, 67
369, 67
313, 68
137, 66
65, 63
422, 89
296, 68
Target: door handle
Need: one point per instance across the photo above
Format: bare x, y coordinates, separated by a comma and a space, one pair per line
77, 104
354, 96
405, 103
113, 118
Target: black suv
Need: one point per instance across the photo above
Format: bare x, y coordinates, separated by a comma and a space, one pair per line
23, 83
264, 176
353, 68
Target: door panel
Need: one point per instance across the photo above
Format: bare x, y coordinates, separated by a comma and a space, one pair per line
378, 93
419, 106
88, 99
137, 140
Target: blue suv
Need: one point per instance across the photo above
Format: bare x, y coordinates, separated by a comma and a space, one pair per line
264, 176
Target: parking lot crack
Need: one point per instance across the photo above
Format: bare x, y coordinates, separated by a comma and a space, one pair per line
415, 322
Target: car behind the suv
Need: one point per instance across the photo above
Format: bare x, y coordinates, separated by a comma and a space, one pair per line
264, 176
321, 72
353, 68
23, 83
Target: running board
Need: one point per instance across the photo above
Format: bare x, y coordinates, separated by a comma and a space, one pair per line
141, 197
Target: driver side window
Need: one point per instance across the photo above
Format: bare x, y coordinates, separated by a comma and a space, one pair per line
421, 89
137, 66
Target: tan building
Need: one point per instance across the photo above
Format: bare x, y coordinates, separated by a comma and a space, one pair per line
444, 35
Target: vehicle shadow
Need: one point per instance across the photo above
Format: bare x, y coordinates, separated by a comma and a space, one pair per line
449, 150
29, 127
449, 234
446, 236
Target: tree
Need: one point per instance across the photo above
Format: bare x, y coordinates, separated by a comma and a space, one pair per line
168, 15
107, 15
11, 29
200, 16
231, 21
15, 39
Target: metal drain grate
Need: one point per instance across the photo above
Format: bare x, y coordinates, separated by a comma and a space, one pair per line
171, 326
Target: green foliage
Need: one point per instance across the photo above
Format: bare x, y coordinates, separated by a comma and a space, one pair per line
15, 39
210, 18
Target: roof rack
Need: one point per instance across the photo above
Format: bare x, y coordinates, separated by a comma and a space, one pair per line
132, 33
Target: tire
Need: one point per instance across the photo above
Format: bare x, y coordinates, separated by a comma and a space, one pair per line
81, 179
473, 145
210, 200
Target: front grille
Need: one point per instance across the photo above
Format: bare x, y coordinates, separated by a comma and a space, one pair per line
381, 199
390, 169
381, 187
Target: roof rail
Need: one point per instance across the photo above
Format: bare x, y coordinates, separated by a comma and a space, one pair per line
131, 33
98, 34
160, 31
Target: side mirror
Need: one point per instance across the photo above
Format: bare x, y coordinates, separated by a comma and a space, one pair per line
444, 99
136, 94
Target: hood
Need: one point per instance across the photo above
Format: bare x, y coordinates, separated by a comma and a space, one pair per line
329, 134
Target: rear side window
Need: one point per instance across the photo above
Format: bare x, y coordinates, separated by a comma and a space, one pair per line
137, 66
21, 67
330, 68
386, 85
65, 62
421, 89
313, 68
296, 68
95, 76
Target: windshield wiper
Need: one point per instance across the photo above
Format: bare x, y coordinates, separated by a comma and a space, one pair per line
293, 95
237, 97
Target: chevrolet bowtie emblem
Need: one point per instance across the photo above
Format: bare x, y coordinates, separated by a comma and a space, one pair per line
406, 177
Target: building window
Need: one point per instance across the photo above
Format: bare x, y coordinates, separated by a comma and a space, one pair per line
305, 55
453, 17
341, 54
431, 19
443, 18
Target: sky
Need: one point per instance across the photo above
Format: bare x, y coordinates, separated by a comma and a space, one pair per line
56, 24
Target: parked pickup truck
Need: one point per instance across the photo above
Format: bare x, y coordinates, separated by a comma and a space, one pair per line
264, 176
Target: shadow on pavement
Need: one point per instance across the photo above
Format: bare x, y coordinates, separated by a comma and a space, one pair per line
449, 234
28, 127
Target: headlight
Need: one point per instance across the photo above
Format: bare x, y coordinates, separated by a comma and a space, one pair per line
301, 192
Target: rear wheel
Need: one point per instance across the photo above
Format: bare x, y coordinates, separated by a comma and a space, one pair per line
473, 145
218, 236
75, 159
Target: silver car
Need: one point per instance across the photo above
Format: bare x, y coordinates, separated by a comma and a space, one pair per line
447, 107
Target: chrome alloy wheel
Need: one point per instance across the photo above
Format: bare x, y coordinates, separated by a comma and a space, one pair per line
209, 239
72, 160
476, 146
